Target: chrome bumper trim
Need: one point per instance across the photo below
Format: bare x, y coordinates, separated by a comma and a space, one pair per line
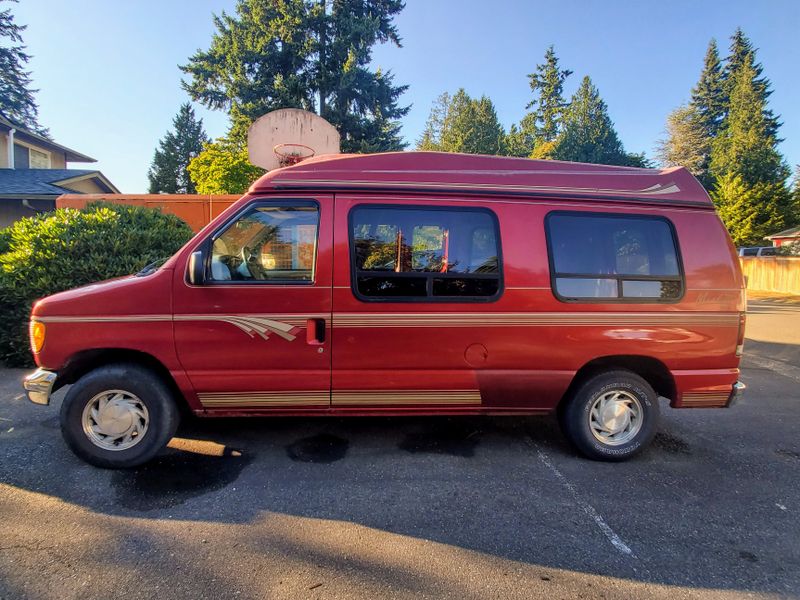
736, 393
38, 386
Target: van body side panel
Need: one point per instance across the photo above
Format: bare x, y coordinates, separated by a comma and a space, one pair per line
244, 344
127, 314
419, 355
529, 343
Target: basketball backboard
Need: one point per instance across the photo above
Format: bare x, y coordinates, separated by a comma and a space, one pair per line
288, 135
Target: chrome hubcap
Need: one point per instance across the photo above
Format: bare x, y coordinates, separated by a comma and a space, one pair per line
615, 417
115, 420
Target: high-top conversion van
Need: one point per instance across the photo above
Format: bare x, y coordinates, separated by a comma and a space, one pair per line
412, 284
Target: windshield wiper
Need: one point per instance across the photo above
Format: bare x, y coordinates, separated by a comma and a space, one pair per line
152, 267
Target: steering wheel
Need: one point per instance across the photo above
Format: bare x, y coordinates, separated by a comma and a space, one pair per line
252, 263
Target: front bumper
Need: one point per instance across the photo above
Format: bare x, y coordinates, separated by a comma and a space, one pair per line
39, 385
736, 393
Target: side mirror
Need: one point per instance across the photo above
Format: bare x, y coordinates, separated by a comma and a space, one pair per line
197, 268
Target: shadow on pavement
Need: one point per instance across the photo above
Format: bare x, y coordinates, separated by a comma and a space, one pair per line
698, 508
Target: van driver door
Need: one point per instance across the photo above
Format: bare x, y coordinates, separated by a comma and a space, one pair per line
254, 336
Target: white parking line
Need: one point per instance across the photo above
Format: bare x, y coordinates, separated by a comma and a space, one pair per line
615, 540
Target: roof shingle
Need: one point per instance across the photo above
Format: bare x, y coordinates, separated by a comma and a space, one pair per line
38, 181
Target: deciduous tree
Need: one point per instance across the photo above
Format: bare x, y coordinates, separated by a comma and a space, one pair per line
223, 168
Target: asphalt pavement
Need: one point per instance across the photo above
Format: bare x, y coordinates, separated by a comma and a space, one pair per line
418, 507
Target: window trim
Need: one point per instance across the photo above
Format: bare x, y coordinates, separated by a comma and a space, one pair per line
30, 147
207, 245
430, 275
680, 277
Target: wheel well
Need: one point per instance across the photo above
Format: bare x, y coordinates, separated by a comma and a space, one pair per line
650, 369
81, 363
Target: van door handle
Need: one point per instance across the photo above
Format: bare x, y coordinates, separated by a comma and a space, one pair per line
315, 331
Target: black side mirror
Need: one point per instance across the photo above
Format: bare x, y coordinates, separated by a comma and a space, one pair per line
197, 267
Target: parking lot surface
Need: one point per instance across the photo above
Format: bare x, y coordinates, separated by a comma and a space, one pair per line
418, 507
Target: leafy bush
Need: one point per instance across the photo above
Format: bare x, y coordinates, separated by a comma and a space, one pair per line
68, 248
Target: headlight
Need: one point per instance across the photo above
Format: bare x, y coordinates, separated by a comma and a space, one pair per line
37, 336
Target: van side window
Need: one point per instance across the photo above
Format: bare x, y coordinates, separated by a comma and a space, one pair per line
424, 254
608, 257
268, 244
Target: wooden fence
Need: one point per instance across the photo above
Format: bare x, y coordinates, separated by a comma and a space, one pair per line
197, 210
772, 273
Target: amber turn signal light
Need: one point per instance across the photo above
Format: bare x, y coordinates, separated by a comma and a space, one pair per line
37, 335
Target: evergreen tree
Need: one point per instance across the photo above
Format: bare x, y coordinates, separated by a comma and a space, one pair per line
168, 172
750, 191
16, 98
432, 134
708, 96
741, 50
691, 129
543, 123
459, 123
309, 54
795, 211
588, 133
687, 143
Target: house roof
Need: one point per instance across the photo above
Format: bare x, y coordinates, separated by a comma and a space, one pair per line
31, 136
469, 174
786, 233
21, 183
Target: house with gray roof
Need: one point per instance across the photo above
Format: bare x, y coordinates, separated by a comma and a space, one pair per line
33, 173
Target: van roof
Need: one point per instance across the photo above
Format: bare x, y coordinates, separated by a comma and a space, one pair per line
470, 174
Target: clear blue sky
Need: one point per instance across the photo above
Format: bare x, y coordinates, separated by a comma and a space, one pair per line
110, 85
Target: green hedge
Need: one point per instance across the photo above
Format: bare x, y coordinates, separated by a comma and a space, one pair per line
67, 248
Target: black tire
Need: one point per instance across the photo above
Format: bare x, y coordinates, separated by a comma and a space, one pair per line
150, 390
575, 415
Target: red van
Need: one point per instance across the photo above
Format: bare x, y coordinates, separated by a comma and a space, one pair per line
412, 284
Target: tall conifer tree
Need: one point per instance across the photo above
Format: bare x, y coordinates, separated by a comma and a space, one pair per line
750, 174
310, 54
588, 133
459, 123
740, 50
168, 172
17, 100
543, 123
691, 129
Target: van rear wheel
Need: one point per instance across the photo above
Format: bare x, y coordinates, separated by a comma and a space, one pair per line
118, 416
612, 416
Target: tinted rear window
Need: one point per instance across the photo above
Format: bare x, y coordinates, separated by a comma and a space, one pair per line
613, 257
421, 253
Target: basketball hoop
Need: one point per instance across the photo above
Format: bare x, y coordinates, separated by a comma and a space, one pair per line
291, 154
287, 136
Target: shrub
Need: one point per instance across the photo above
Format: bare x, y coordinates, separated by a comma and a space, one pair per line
68, 248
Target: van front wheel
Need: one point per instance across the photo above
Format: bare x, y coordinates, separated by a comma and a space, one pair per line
612, 416
118, 416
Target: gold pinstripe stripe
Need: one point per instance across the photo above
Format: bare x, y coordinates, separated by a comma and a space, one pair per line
705, 399
373, 397
379, 319
530, 319
265, 399
654, 190
340, 398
